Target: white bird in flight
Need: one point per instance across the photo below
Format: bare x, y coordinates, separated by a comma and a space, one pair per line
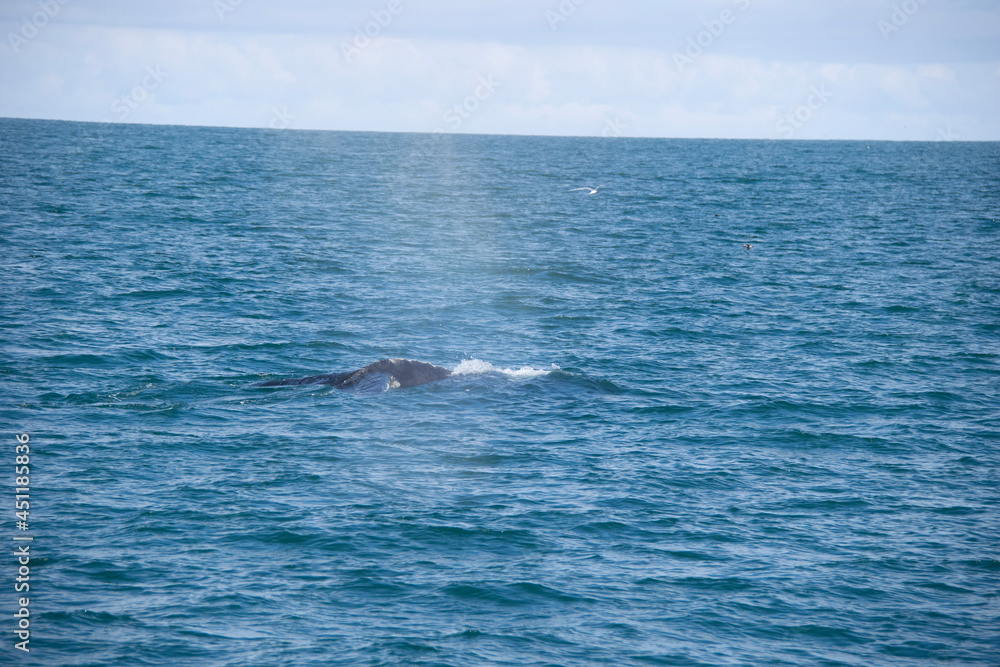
593, 191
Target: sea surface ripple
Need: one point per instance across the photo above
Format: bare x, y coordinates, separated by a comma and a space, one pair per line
661, 448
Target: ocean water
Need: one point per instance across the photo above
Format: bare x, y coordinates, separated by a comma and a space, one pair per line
659, 447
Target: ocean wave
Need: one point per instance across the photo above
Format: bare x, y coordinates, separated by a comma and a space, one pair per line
480, 367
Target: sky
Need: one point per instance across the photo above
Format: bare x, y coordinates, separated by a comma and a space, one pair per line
926, 70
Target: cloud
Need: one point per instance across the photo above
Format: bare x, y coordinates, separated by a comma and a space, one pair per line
408, 76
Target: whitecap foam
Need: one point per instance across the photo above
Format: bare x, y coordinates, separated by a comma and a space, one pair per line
480, 367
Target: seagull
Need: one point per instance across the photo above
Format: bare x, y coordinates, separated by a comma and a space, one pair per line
593, 191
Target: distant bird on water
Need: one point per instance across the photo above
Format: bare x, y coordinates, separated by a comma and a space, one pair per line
747, 246
593, 191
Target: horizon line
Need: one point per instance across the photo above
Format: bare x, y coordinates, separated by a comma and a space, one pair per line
500, 134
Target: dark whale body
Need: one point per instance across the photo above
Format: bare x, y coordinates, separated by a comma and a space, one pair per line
384, 374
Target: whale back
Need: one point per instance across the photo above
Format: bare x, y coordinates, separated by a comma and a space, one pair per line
406, 372
376, 377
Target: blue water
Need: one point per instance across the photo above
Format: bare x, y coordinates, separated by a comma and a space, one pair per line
661, 448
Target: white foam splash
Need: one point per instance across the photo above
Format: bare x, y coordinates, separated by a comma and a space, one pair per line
480, 367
